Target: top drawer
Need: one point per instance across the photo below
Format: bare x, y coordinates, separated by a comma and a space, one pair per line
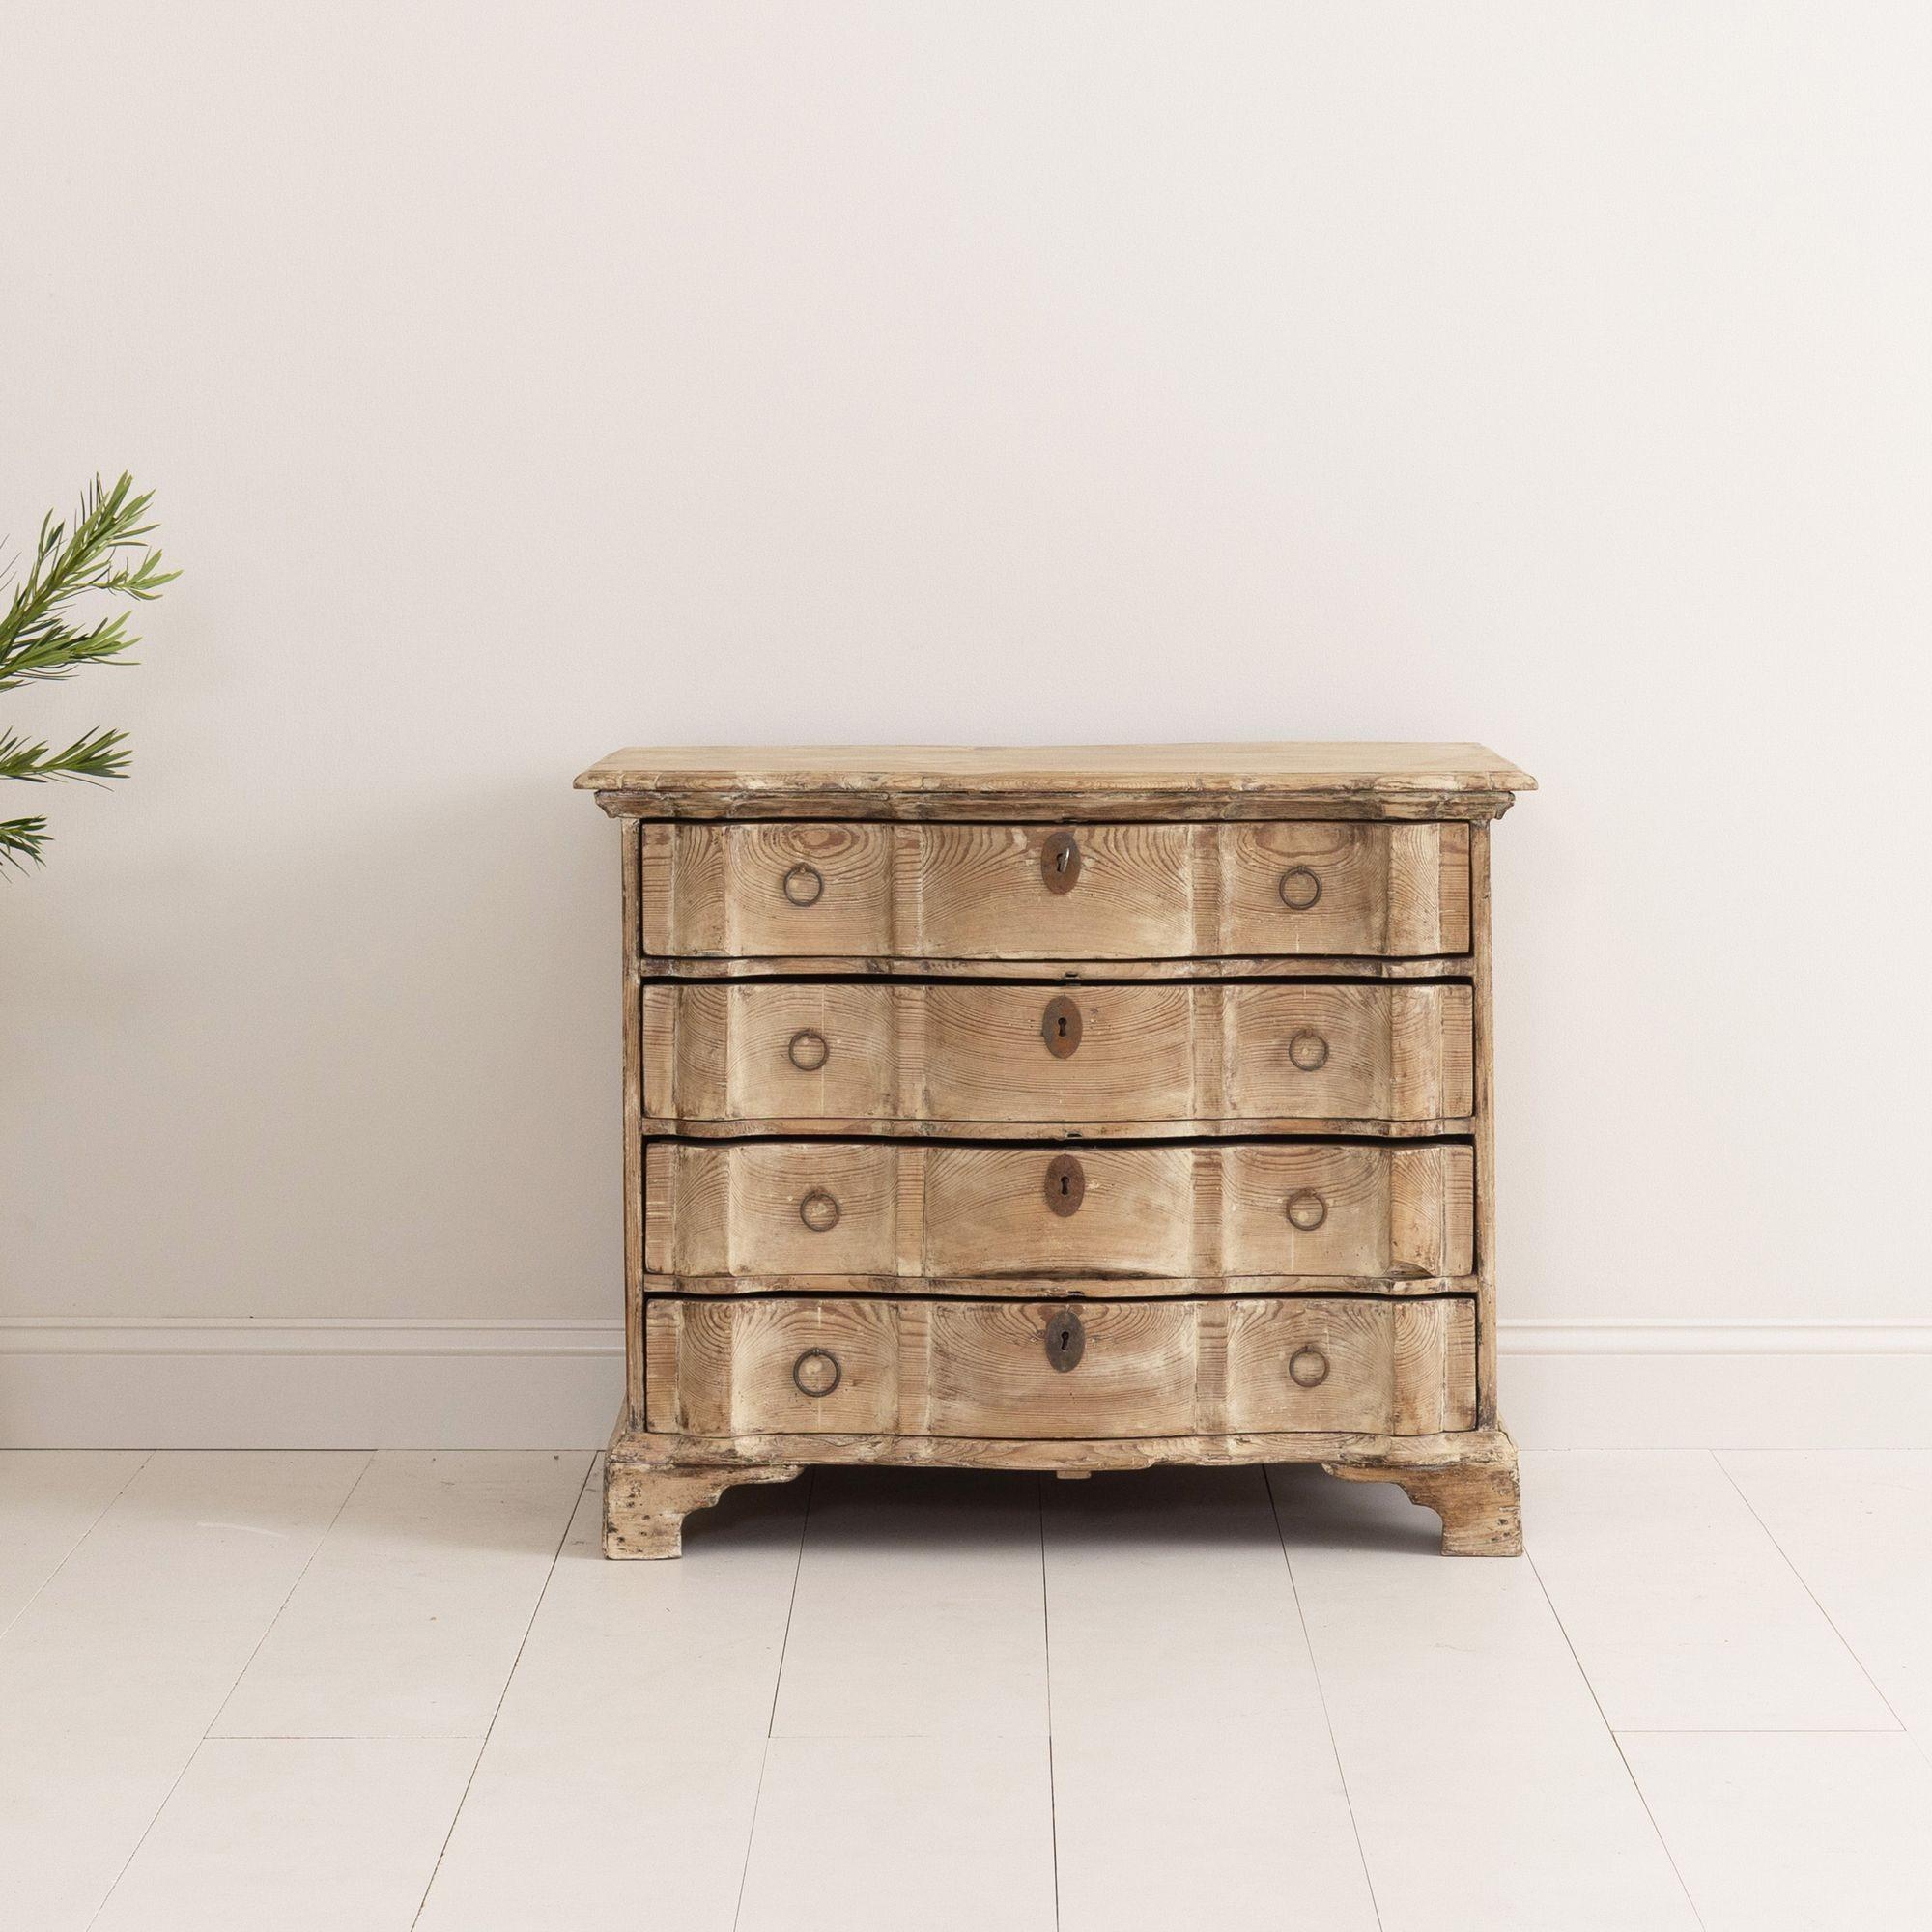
917, 892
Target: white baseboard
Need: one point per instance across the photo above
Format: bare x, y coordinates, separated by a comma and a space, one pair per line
332, 1383
1717, 1385
323, 1383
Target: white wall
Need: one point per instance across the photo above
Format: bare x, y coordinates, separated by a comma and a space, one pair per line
523, 381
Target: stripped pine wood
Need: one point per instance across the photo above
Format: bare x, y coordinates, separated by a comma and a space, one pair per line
910, 894
1072, 1109
1059, 782
1477, 1497
795, 1364
1422, 1455
644, 1508
764, 1210
1031, 1286
1468, 1477
635, 889
1343, 889
871, 1058
752, 889
1213, 970
1482, 1011
978, 890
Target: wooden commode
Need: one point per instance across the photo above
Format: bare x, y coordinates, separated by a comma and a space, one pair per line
1073, 1109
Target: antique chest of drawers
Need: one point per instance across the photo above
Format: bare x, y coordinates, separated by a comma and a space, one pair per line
1064, 1109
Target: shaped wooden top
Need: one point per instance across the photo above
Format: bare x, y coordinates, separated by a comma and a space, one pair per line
1459, 780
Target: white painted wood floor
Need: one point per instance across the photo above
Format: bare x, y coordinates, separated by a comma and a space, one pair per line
357, 1692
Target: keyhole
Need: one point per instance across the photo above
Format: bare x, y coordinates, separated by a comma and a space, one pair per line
1065, 1186
1065, 1340
1060, 863
1060, 1027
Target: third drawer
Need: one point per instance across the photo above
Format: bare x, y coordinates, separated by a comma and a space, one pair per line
764, 1210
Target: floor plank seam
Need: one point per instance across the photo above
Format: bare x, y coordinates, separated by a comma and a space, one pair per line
591, 1470
772, 1714
751, 1832
1617, 1743
791, 1602
1322, 1697
215, 1717
93, 1522
1046, 1650
1803, 1583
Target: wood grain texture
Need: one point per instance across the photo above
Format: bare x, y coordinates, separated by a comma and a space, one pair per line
1468, 1478
645, 1505
1259, 949
1476, 1496
1208, 1215
1357, 1364
1177, 1059
631, 914
1345, 1449
1070, 972
1183, 805
886, 779
1484, 1024
910, 894
733, 890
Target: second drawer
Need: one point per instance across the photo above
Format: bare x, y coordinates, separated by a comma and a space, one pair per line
759, 1211
1132, 1061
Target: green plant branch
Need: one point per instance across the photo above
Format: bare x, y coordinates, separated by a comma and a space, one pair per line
105, 553
95, 756
21, 839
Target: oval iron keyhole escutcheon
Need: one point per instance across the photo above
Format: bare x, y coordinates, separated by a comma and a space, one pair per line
1060, 862
1060, 1027
1066, 1184
1065, 1338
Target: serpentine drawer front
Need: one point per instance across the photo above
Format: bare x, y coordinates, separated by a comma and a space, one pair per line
786, 1364
1151, 1219
1259, 1056
923, 893
1066, 1109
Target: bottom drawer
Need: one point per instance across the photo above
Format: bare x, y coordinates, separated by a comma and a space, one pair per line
794, 1364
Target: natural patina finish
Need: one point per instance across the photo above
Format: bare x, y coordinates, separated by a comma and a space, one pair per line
1063, 1109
